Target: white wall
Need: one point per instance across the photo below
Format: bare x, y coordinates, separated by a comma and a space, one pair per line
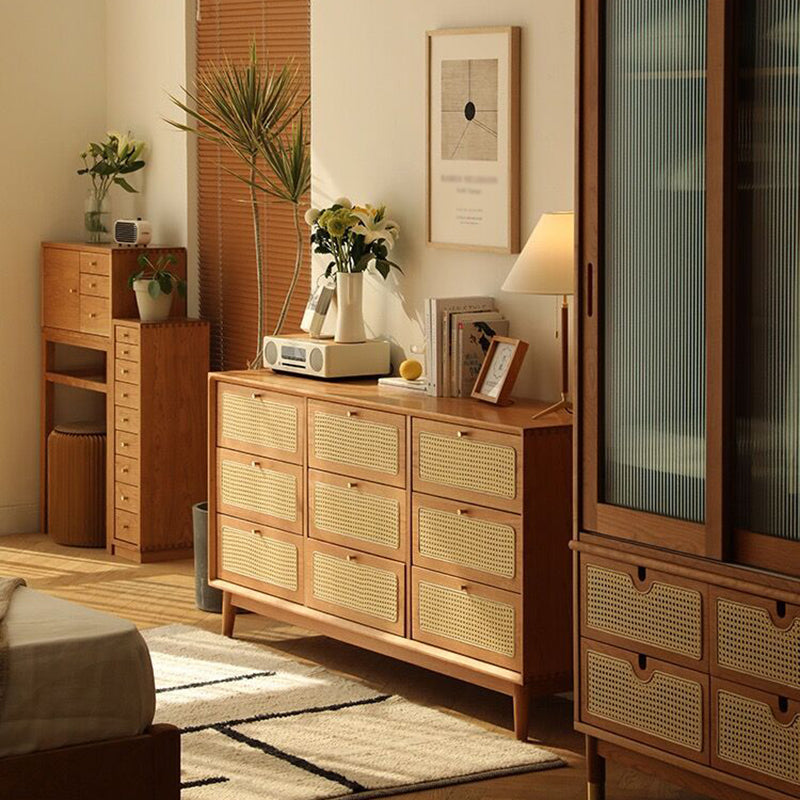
368, 142
52, 92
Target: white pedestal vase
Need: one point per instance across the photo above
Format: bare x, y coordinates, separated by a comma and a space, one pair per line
350, 307
152, 309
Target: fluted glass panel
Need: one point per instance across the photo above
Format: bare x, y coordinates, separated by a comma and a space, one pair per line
654, 268
768, 268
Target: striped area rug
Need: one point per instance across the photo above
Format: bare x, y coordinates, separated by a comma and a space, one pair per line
257, 725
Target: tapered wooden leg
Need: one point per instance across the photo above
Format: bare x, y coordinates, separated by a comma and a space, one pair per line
595, 771
522, 698
228, 614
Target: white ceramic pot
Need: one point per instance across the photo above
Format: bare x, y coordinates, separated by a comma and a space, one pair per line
152, 309
350, 307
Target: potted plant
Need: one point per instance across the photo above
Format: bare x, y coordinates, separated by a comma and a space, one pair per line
106, 163
356, 238
154, 285
256, 111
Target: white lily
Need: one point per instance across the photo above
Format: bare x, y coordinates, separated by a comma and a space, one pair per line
373, 231
312, 215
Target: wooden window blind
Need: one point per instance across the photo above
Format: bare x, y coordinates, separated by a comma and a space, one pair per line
226, 250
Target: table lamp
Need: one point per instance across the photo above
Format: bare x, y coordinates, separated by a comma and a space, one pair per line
546, 265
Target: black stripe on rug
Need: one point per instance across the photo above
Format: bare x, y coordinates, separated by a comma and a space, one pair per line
295, 761
282, 714
199, 684
203, 782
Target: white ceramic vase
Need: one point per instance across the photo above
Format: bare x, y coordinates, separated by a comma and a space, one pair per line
350, 307
152, 309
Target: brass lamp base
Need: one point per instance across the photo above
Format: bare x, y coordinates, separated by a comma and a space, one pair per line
562, 403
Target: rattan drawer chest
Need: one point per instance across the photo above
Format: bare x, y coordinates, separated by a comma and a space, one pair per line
432, 530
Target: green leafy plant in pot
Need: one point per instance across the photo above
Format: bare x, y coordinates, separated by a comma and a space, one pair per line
155, 286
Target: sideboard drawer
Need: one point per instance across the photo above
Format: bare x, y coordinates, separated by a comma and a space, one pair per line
126, 371
468, 541
126, 497
126, 469
127, 335
95, 286
127, 444
756, 736
359, 587
644, 610
359, 514
260, 489
470, 618
129, 352
260, 422
756, 641
260, 558
651, 701
95, 263
356, 441
126, 419
126, 394
127, 527
95, 315
471, 464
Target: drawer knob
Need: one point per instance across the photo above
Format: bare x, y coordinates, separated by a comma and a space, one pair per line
125, 419
92, 315
461, 434
124, 498
351, 413
124, 470
255, 396
255, 531
92, 285
123, 444
351, 559
124, 394
73, 291
124, 371
255, 464
351, 485
461, 511
126, 352
93, 263
464, 588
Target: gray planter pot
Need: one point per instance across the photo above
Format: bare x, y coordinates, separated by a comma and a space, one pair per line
206, 597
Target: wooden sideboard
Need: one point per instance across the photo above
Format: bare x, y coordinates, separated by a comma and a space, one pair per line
153, 380
432, 530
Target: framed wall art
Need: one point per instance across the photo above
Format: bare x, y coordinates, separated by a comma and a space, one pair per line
473, 136
499, 371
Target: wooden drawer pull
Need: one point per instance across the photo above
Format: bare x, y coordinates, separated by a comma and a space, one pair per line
124, 498
256, 531
73, 291
461, 434
256, 396
351, 413
351, 559
124, 470
464, 588
123, 444
462, 511
255, 464
351, 485
93, 263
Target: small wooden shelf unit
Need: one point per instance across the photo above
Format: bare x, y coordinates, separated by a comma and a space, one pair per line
432, 530
153, 377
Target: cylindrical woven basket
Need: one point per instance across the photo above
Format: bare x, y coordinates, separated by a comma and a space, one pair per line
76, 484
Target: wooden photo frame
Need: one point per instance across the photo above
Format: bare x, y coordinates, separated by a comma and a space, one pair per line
473, 139
499, 371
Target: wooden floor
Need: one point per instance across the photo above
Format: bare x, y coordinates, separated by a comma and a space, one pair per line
160, 594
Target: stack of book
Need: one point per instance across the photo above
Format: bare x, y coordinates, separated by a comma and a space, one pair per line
458, 333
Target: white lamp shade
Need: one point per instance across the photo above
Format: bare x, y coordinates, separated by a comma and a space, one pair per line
546, 265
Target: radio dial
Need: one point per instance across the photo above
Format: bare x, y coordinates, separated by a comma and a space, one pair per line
315, 359
271, 353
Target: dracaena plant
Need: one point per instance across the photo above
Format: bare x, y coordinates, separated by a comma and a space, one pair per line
256, 110
160, 279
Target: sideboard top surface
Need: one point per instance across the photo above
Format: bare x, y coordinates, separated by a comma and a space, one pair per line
514, 418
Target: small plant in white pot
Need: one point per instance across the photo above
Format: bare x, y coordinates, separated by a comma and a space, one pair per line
155, 286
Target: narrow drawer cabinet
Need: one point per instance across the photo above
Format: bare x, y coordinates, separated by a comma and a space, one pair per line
262, 423
158, 465
359, 442
644, 610
359, 514
469, 618
467, 463
468, 541
265, 559
408, 522
757, 736
650, 701
355, 586
756, 641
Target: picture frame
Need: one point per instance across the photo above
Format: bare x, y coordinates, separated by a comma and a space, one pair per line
473, 139
499, 371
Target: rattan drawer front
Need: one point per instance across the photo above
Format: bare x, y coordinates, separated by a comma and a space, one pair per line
262, 490
482, 467
129, 352
359, 514
646, 611
754, 644
468, 541
126, 469
469, 618
126, 497
363, 588
126, 371
126, 394
657, 703
126, 444
126, 419
127, 335
755, 738
260, 558
263, 423
362, 443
